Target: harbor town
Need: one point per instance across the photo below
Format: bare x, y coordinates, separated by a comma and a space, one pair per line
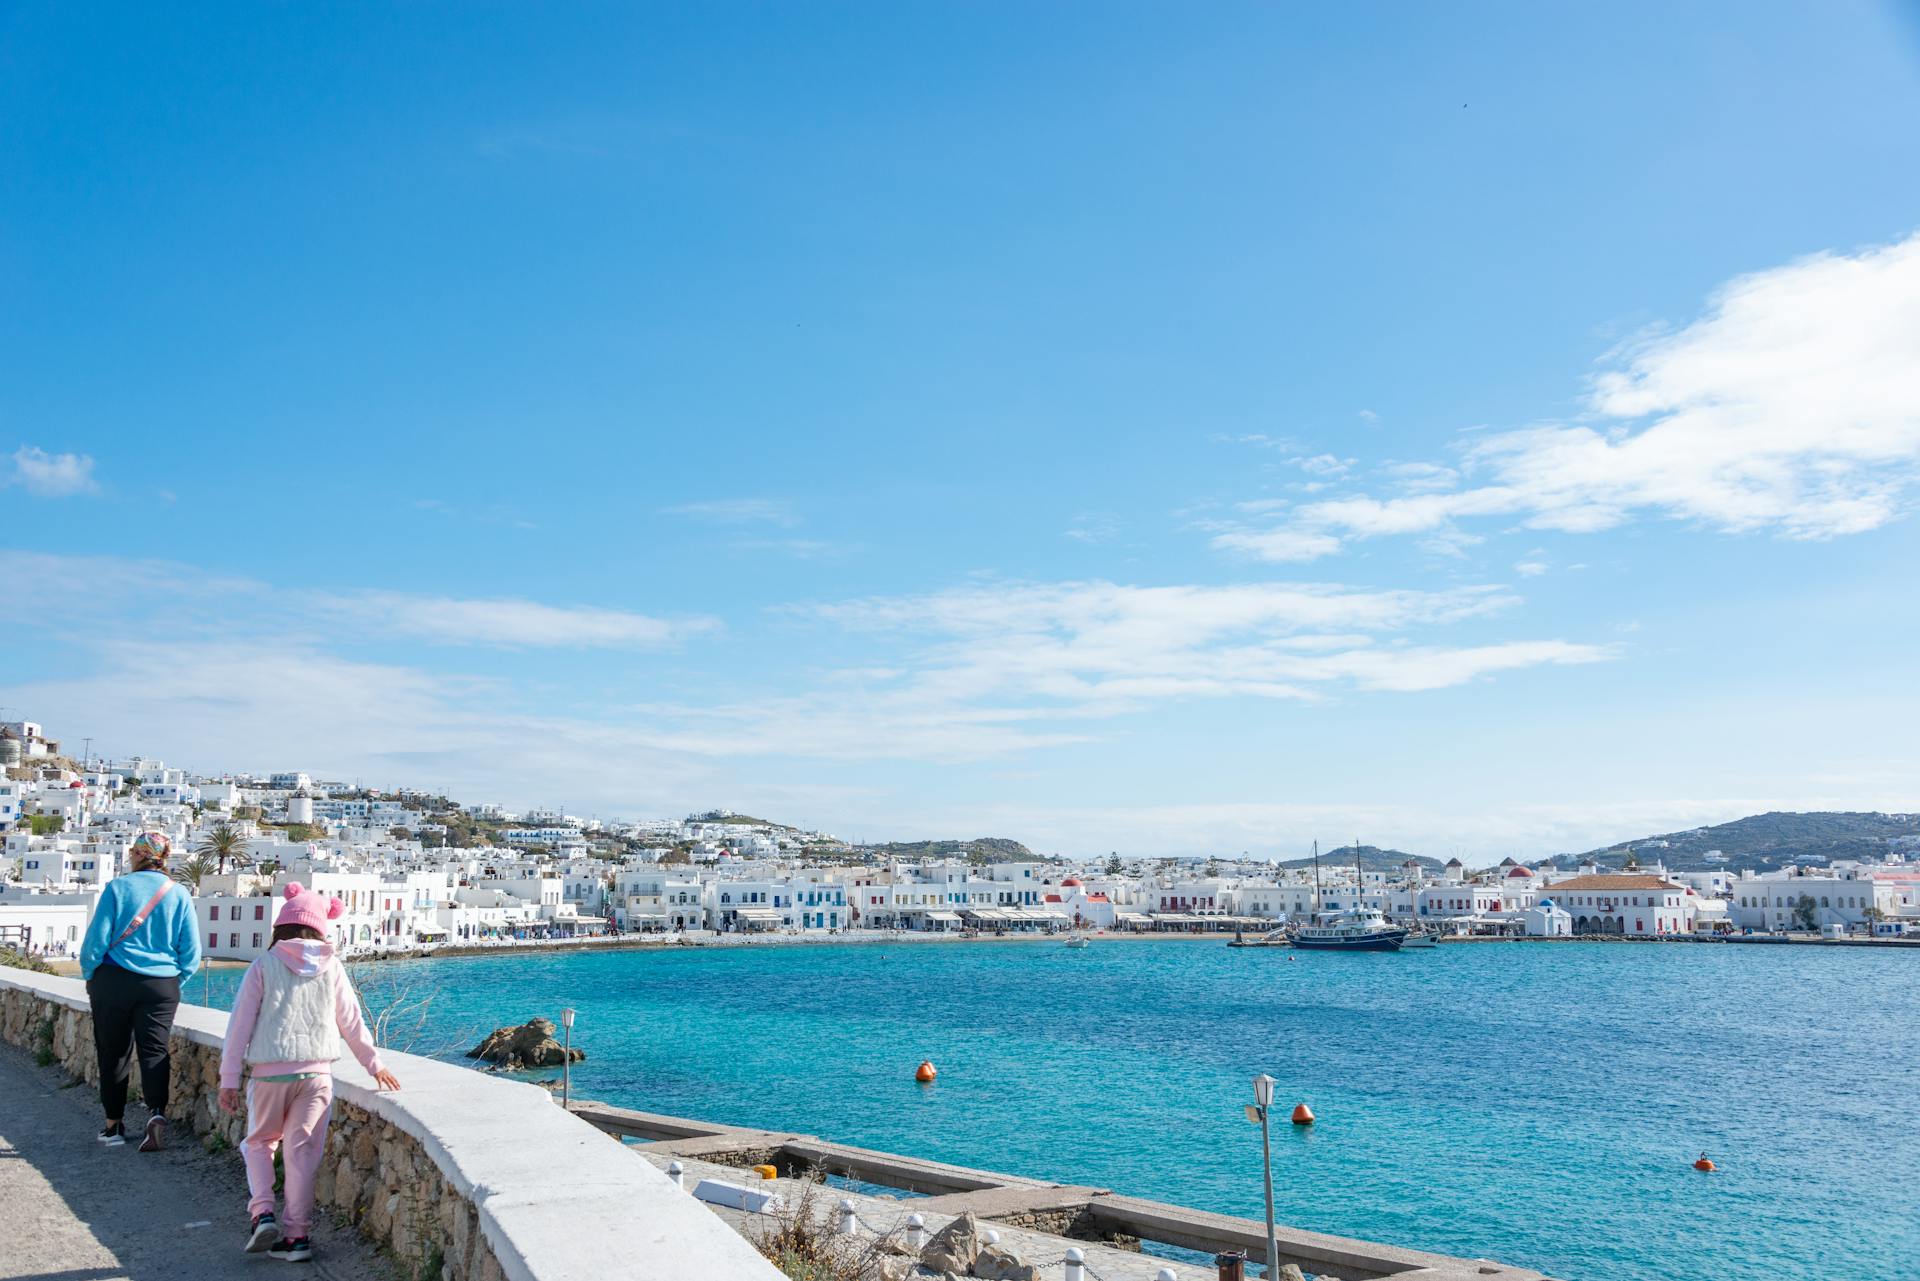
421, 873
957, 642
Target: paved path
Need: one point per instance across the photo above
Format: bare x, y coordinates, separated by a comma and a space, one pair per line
71, 1210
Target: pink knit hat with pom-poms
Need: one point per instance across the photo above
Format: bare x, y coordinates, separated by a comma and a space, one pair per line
305, 907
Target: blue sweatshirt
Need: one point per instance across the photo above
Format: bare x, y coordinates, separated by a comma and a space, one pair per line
167, 942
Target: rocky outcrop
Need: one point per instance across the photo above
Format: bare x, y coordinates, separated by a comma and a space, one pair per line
954, 1247
531, 1045
961, 1250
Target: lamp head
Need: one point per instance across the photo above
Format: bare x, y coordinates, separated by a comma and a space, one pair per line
1263, 1090
566, 1020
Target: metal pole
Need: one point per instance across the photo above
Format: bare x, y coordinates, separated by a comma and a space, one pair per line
1266, 1165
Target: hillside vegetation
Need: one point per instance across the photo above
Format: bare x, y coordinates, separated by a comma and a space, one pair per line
1372, 858
1771, 840
982, 849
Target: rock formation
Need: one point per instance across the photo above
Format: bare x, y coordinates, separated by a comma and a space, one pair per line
529, 1046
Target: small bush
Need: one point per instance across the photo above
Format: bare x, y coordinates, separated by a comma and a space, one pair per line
15, 959
802, 1243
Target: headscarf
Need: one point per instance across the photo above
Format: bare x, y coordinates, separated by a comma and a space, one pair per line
149, 852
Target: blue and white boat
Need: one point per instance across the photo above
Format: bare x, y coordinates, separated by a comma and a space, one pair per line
1362, 930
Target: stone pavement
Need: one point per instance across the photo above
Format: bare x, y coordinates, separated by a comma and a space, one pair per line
71, 1210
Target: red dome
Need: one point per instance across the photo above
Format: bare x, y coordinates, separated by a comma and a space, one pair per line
1071, 880
76, 783
1518, 871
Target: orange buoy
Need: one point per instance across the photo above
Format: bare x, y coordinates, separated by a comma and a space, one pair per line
1302, 1114
766, 1171
1704, 1165
925, 1073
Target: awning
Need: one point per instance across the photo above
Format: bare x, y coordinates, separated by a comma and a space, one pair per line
943, 916
428, 929
1130, 918
759, 914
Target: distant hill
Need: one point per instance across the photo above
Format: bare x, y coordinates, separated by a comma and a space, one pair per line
982, 849
741, 820
1765, 841
1372, 858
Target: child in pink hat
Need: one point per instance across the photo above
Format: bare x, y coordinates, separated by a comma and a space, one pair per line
296, 1005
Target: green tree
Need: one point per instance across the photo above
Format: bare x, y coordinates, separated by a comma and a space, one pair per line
193, 870
1803, 913
223, 841
1113, 863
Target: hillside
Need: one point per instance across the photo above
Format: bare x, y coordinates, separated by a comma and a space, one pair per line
982, 849
1773, 840
1372, 858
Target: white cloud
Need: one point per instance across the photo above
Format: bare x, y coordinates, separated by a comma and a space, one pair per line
1792, 406
738, 511
1096, 648
153, 596
52, 475
507, 621
1093, 528
1531, 568
1279, 544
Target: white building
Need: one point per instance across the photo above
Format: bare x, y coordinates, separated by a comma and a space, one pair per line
1624, 903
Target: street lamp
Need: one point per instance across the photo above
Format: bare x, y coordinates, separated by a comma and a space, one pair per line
566, 1066
1262, 1106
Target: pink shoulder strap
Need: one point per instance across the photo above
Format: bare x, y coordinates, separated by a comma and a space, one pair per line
139, 918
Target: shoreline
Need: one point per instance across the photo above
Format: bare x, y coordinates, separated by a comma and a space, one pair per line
871, 937
68, 967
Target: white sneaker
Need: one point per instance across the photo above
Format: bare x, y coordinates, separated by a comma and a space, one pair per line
114, 1136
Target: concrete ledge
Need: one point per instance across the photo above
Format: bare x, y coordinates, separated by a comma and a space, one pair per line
553, 1199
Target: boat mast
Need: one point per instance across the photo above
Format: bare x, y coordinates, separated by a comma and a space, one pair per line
1316, 880
1359, 882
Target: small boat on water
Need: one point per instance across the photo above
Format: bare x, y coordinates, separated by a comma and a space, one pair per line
1417, 937
1361, 930
1078, 940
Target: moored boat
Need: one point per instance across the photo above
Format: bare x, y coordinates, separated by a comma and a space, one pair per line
1363, 930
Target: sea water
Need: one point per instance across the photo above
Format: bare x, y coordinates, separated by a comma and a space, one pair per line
1537, 1104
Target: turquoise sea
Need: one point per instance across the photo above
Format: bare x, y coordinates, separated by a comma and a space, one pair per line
1536, 1104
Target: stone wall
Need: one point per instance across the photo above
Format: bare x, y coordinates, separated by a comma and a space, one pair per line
455, 1175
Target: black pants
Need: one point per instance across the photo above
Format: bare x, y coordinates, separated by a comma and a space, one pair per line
132, 1012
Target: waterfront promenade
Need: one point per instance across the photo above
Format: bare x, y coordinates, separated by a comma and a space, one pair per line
458, 1176
76, 1211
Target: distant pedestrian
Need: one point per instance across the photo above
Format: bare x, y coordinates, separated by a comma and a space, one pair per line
140, 946
295, 1006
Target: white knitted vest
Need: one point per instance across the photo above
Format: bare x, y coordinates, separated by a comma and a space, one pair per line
296, 1023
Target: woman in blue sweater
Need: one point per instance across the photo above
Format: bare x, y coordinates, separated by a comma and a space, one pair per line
141, 945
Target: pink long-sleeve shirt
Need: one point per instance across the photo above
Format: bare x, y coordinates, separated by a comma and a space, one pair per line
304, 957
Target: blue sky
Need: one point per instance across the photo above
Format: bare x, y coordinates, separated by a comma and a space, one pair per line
1477, 428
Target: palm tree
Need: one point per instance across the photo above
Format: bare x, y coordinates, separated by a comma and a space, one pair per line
224, 841
190, 872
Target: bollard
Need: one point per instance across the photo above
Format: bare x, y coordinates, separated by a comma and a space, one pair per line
1076, 1265
1232, 1265
847, 1219
677, 1173
1166, 1274
917, 1232
993, 1238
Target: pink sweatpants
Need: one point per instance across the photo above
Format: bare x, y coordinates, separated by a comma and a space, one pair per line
292, 1116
